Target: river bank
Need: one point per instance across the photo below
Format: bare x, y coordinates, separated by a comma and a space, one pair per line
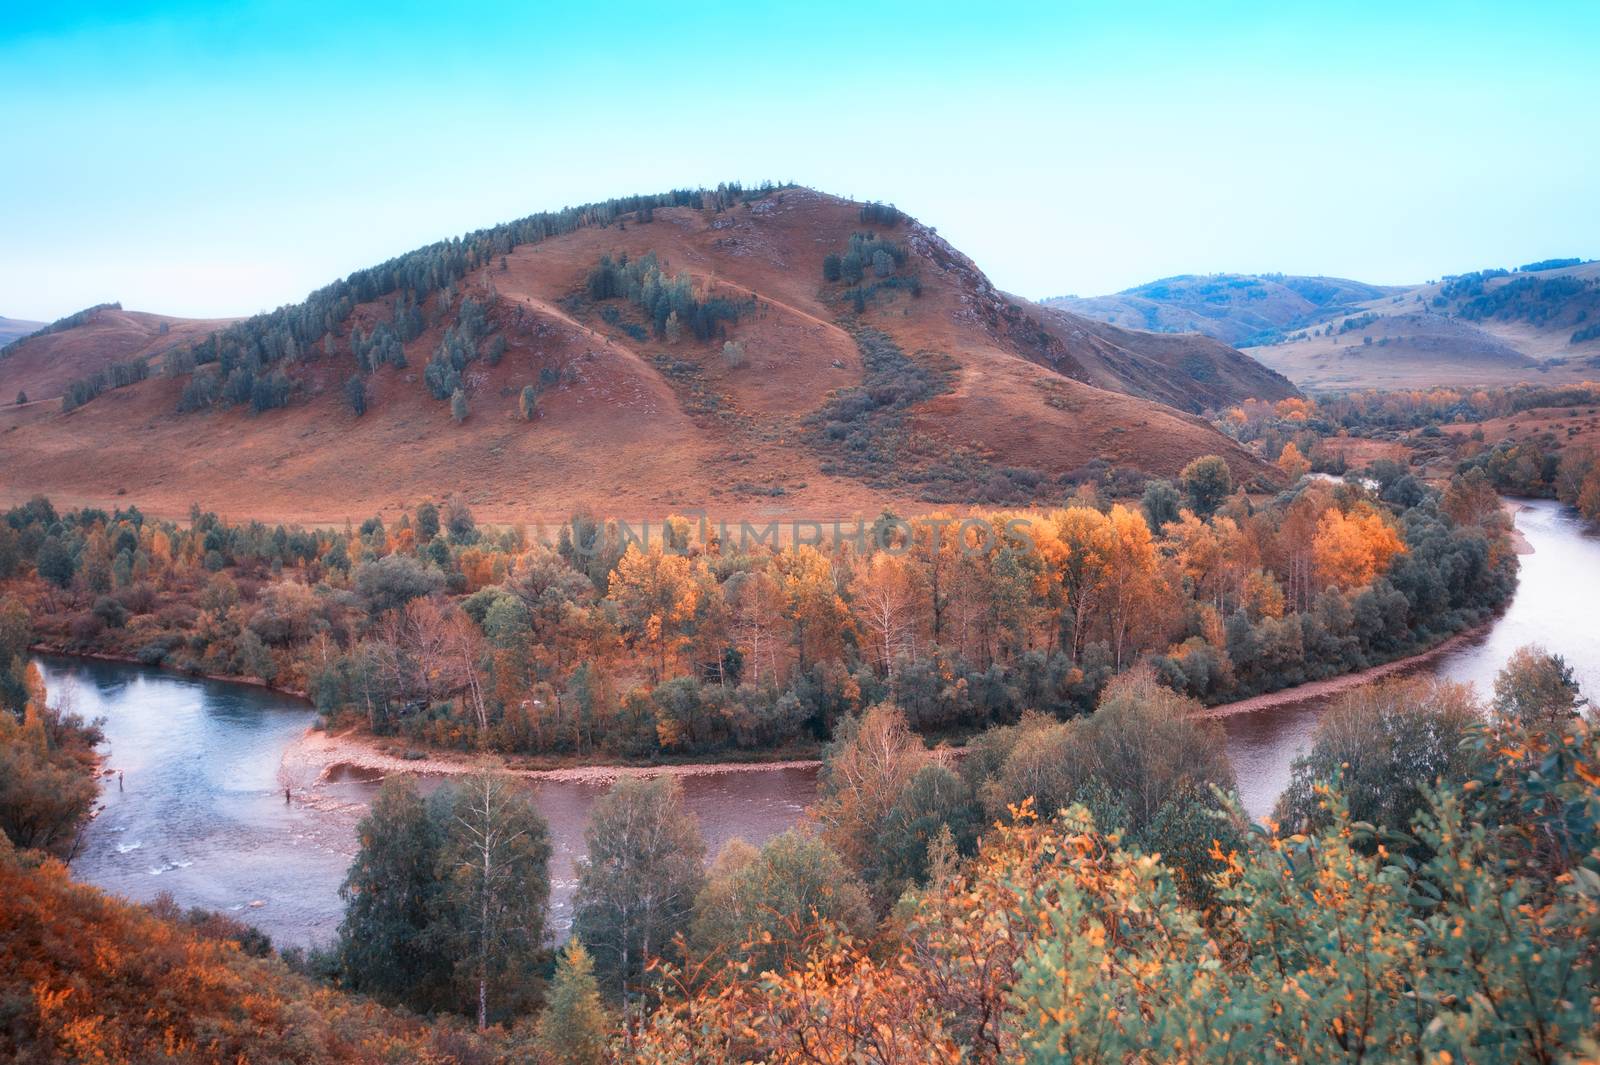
315, 754
1519, 541
132, 660
1322, 689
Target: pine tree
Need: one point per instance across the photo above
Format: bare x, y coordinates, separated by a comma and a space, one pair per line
355, 394
830, 267
573, 1027
529, 403
458, 406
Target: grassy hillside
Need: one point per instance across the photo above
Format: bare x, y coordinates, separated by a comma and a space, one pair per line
44, 363
777, 390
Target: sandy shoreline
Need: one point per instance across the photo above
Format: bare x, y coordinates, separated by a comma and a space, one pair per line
315, 754
1519, 542
1321, 689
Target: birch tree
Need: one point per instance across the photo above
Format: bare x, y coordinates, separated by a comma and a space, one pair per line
497, 858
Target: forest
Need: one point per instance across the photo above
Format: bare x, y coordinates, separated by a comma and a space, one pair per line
601, 641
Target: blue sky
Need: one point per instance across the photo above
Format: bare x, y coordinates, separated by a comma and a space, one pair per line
206, 160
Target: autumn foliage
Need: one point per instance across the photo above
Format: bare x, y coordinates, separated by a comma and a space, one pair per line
691, 641
1059, 944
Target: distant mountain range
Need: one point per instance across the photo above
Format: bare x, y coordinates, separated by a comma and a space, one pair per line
15, 328
1538, 322
740, 350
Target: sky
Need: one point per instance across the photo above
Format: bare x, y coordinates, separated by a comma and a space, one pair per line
217, 160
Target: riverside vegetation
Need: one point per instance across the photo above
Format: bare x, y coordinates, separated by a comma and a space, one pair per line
444, 634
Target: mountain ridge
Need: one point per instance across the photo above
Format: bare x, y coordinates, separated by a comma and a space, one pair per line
1490, 327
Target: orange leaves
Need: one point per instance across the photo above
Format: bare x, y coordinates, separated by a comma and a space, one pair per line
93, 979
1293, 464
887, 594
1295, 409
657, 593
1350, 550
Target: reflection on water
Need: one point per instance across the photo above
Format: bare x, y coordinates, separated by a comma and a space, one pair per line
199, 809
1552, 607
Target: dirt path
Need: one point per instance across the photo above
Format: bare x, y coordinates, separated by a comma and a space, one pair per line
310, 758
1320, 689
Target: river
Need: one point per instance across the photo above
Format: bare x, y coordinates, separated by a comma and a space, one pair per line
193, 802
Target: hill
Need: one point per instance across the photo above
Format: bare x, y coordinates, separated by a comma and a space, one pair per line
15, 329
1493, 327
43, 363
750, 352
1233, 308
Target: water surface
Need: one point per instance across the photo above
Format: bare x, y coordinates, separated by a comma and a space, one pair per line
194, 805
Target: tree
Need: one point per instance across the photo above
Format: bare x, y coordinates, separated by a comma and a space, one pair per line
496, 859
55, 562
637, 885
1206, 481
394, 580
529, 403
1536, 688
869, 763
427, 524
830, 267
1150, 744
1128, 584
46, 764
935, 803
768, 906
850, 267
458, 406
657, 594
573, 1028
887, 593
1349, 550
355, 394
1293, 464
389, 943
22, 397
1383, 746
1160, 504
